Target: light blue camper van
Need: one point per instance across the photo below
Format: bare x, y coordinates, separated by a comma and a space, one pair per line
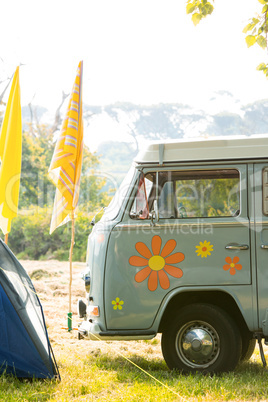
182, 250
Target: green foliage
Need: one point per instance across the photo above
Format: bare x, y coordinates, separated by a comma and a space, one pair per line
30, 238
199, 9
263, 67
92, 195
256, 29
209, 197
116, 157
37, 151
36, 189
250, 40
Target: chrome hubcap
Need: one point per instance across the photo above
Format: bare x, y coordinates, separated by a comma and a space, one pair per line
198, 344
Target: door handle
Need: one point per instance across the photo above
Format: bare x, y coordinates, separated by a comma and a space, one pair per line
237, 247
264, 246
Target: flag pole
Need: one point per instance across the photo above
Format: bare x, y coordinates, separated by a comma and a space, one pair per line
65, 169
71, 275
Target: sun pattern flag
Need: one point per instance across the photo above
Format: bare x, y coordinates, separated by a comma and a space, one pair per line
10, 154
66, 164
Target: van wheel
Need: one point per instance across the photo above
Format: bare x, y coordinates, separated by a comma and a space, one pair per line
248, 346
201, 337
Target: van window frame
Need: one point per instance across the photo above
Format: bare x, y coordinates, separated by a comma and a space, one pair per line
265, 191
242, 174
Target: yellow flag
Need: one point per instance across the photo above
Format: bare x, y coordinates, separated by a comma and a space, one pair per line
66, 164
10, 154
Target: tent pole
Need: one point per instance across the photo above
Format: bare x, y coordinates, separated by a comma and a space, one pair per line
6, 238
71, 274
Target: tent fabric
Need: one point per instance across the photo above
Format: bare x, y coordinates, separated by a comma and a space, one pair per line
25, 350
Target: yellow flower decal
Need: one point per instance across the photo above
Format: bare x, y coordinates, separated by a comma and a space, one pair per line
117, 304
157, 264
204, 249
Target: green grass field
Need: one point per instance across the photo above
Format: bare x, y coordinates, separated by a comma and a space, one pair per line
104, 373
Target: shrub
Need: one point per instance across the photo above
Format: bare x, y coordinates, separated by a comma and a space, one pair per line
30, 238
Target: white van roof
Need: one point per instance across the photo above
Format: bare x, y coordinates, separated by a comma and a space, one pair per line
202, 149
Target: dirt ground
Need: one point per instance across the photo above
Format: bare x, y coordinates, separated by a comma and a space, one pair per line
51, 281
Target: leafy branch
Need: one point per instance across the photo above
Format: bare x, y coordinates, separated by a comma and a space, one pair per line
256, 29
199, 9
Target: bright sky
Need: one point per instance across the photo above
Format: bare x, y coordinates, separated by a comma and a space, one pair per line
141, 51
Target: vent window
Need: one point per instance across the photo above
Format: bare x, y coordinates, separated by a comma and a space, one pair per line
265, 191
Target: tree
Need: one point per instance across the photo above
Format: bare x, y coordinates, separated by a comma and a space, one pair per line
37, 189
30, 236
127, 113
256, 30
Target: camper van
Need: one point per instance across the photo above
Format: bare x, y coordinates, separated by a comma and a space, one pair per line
182, 250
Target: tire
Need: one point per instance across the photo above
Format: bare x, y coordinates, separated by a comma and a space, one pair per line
201, 338
248, 346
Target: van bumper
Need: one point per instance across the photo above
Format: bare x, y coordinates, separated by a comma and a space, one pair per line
92, 331
89, 330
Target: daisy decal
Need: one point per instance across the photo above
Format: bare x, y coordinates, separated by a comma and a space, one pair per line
232, 265
156, 264
204, 249
118, 304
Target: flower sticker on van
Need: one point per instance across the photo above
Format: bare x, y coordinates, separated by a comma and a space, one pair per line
156, 264
118, 304
204, 249
232, 265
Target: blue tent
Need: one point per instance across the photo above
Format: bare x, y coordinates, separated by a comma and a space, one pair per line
25, 350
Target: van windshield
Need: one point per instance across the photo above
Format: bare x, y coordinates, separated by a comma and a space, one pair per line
113, 208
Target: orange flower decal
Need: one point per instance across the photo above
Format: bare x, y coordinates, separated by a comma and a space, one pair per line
156, 264
232, 265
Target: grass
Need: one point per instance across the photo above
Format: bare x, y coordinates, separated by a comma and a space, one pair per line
99, 371
101, 374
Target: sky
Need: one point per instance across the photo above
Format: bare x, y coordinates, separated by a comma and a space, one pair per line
142, 51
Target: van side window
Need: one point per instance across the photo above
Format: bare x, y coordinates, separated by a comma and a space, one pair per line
140, 207
265, 191
196, 194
